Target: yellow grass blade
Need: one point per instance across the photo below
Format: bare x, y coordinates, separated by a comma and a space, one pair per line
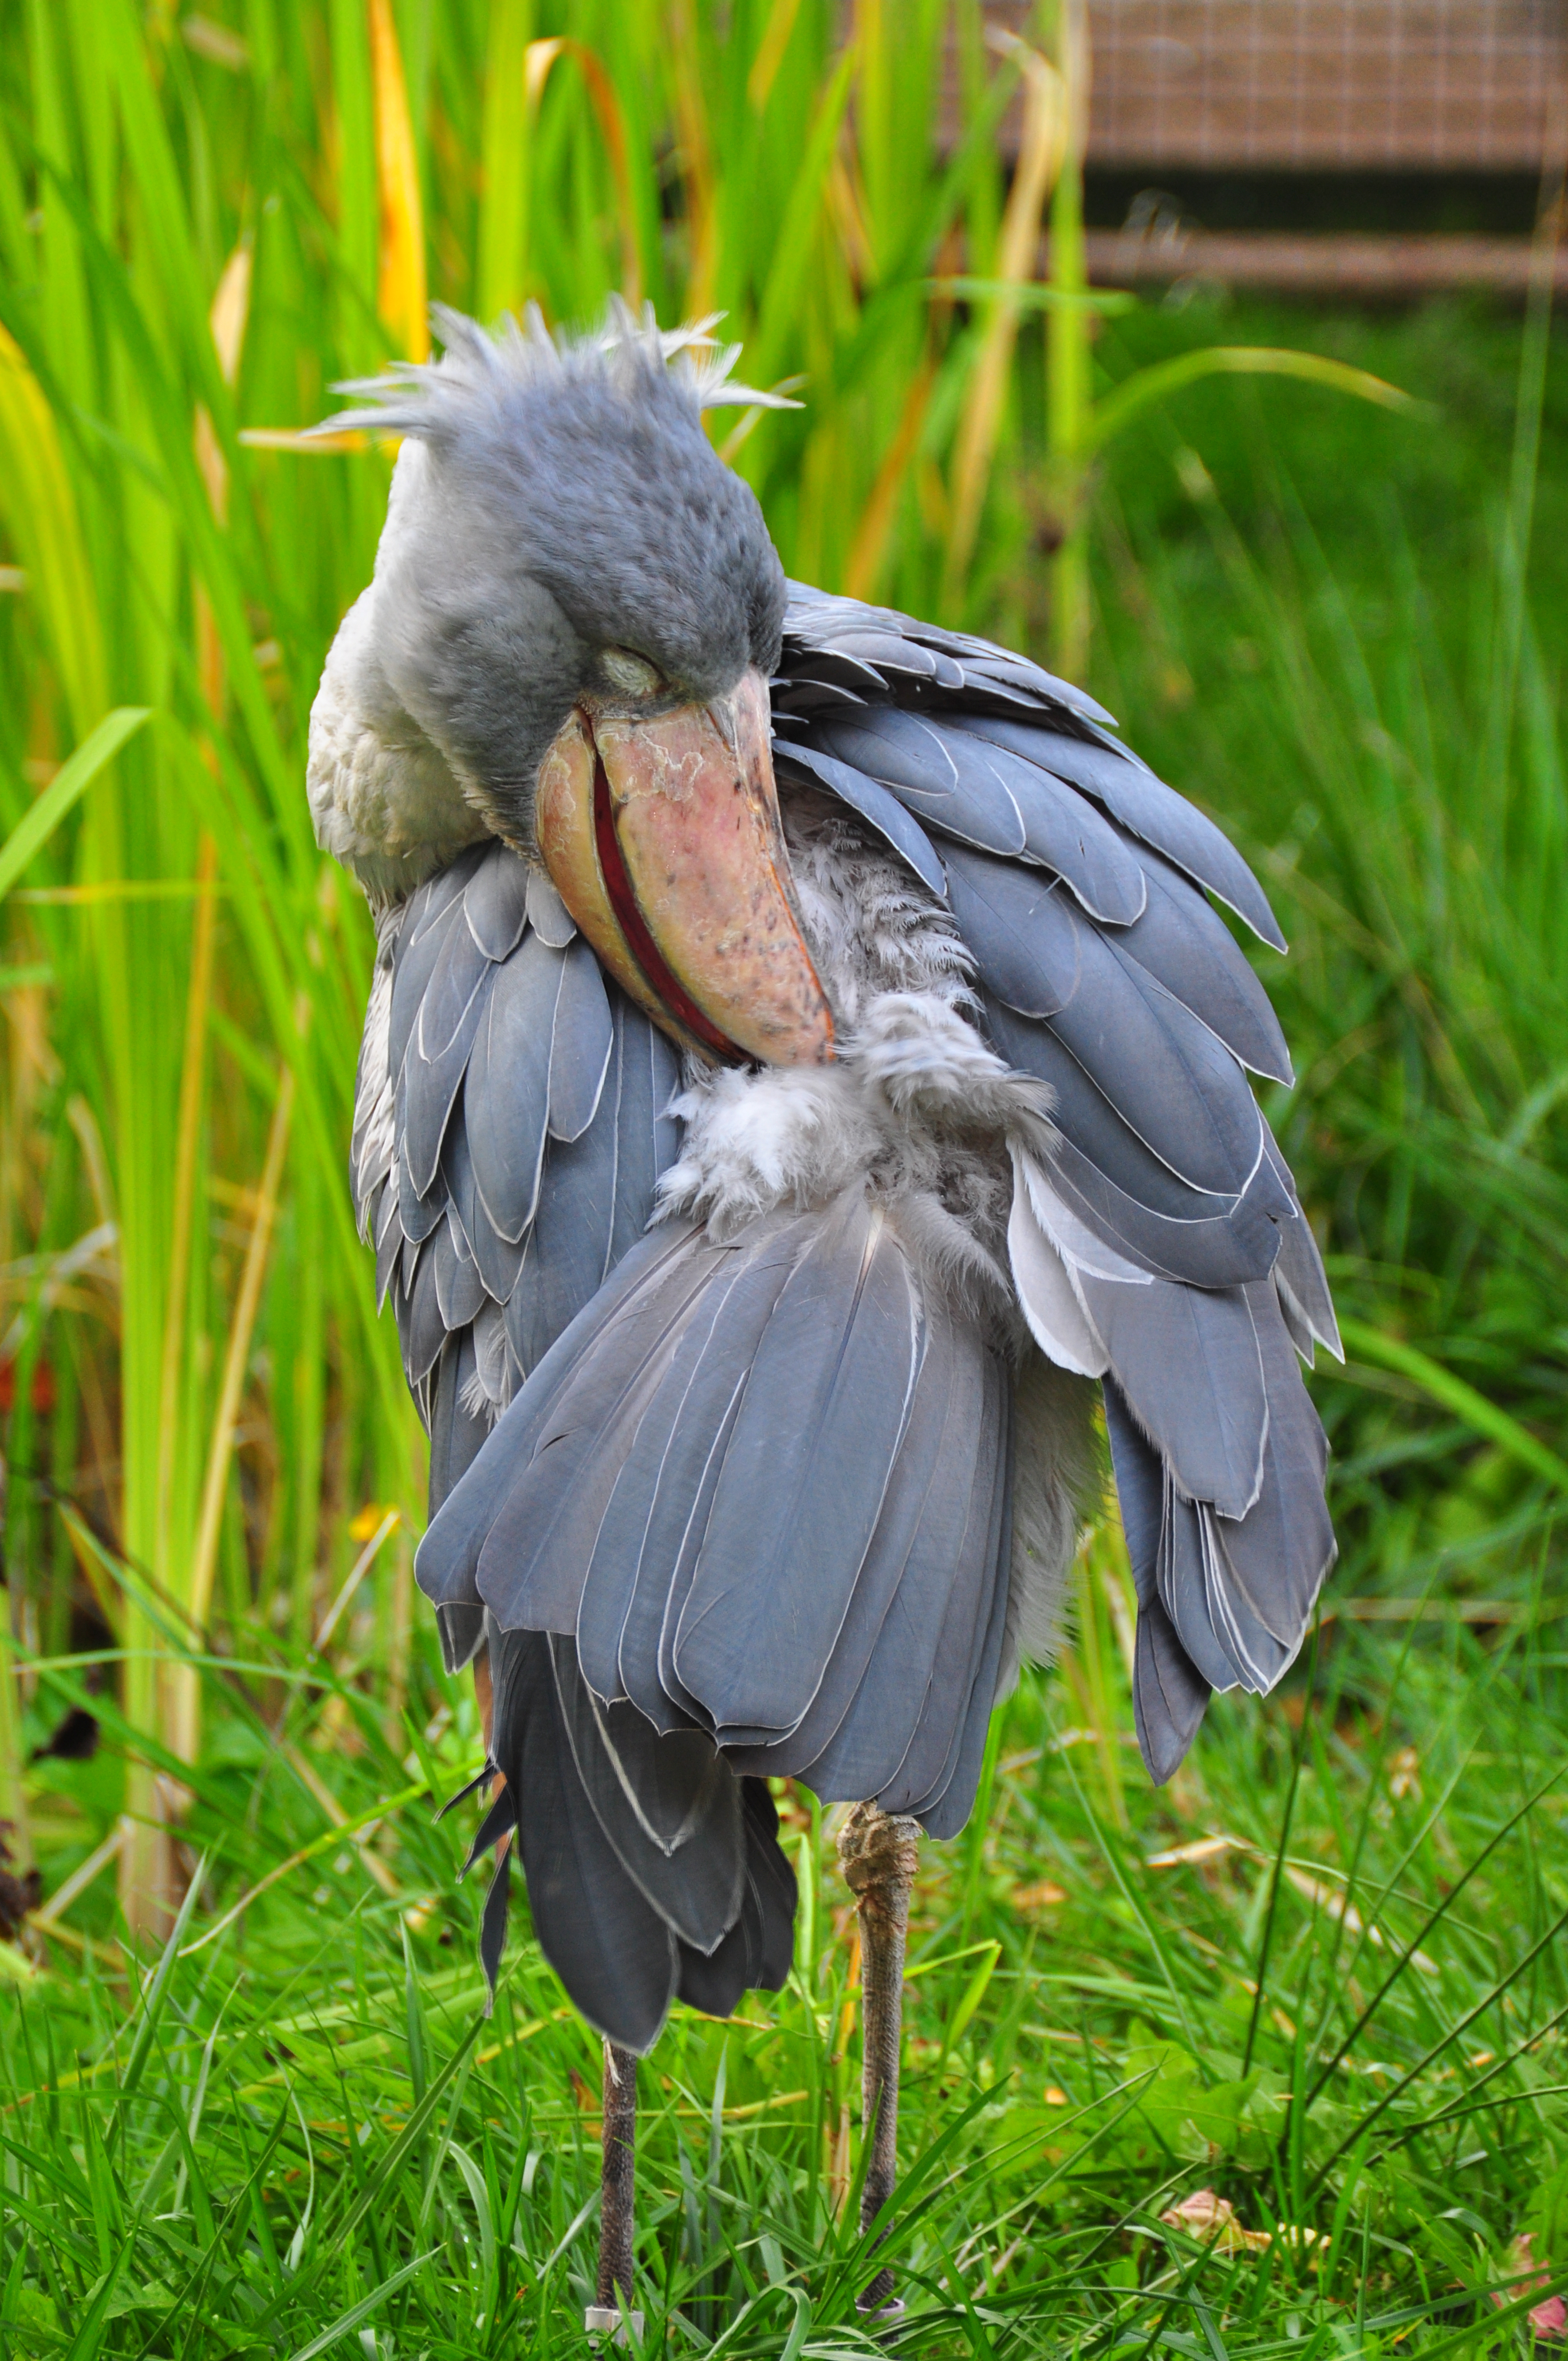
246, 1306
870, 545
40, 506
696, 162
12, 1794
770, 53
311, 1779
541, 56
400, 296
182, 1721
299, 438
230, 311
357, 1573
323, 1844
1158, 383
1040, 160
187, 1143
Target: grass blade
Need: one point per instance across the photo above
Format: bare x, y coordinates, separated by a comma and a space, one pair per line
67, 787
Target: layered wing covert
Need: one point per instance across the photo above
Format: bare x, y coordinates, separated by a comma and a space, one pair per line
1161, 1245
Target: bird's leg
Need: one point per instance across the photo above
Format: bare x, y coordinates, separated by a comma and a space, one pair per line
616, 2196
485, 1693
877, 1855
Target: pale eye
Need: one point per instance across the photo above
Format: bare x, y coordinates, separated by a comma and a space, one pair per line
632, 672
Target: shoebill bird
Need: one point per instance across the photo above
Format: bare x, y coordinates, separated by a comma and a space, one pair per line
804, 1066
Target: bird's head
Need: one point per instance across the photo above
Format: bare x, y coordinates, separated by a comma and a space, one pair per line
579, 603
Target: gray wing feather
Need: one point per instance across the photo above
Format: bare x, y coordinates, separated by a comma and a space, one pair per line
759, 1949
1185, 1590
437, 1053
434, 901
417, 1214
568, 1252
1189, 1361
1017, 921
478, 1031
873, 803
507, 1101
1223, 1599
1298, 1275
1125, 1194
459, 1289
498, 1259
924, 1774
547, 914
1170, 1693
1145, 807
646, 1547
694, 1483
1185, 945
580, 1044
909, 755
1276, 1556
579, 1386
1164, 1071
611, 1950
389, 1240
827, 1401
421, 1329
650, 1867
445, 1005
820, 619
455, 1433
1087, 1120
935, 1459
1061, 830
647, 1074
495, 903
945, 1809
670, 1806
418, 952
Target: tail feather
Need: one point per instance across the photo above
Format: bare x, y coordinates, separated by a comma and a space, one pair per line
758, 1951
608, 1944
947, 1806
652, 1872
747, 1516
670, 1806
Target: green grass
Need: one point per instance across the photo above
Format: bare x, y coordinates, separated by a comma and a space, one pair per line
1340, 629
304, 2123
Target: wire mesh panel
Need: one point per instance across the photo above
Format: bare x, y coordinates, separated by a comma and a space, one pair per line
1445, 84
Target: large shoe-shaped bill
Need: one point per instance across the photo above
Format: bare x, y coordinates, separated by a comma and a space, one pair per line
664, 841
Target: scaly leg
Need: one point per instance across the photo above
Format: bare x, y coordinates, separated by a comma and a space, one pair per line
877, 1855
616, 2187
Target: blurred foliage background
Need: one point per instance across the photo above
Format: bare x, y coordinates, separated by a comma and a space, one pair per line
1336, 624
